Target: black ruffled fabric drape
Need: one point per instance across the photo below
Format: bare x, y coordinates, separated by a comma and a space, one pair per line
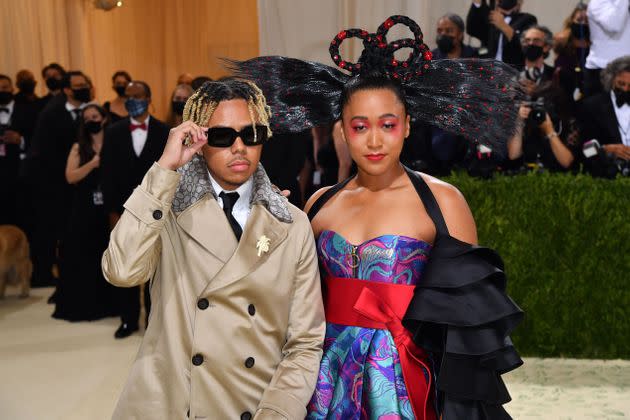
462, 314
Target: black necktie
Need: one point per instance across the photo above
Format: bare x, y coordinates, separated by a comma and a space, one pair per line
229, 199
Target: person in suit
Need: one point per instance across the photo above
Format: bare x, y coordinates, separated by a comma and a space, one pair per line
16, 122
129, 149
284, 158
450, 39
25, 81
499, 29
53, 74
237, 326
45, 166
606, 115
536, 43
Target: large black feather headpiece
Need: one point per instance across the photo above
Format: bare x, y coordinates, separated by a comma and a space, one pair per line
471, 97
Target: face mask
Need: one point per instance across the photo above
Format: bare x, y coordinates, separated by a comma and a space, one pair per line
120, 90
6, 97
82, 95
136, 107
445, 43
178, 107
27, 86
533, 52
93, 127
507, 4
580, 30
53, 84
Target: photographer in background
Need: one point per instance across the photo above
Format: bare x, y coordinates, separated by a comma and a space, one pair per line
606, 116
548, 136
499, 27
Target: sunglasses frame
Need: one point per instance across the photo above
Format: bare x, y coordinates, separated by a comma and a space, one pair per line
246, 135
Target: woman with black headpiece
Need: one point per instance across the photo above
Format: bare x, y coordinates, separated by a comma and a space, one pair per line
418, 321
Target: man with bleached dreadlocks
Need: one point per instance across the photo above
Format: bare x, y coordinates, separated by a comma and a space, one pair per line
237, 322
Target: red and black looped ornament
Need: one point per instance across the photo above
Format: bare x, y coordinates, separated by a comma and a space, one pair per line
473, 98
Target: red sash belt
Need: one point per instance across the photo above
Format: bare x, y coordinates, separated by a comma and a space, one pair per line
377, 305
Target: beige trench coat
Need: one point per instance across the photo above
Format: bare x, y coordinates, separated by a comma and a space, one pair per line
231, 334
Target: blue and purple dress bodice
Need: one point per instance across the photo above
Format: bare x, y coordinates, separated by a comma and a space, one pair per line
360, 375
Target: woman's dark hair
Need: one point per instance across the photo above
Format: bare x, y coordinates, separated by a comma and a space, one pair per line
55, 66
86, 152
123, 74
371, 81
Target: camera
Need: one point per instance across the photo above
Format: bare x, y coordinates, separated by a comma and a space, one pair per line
601, 164
538, 112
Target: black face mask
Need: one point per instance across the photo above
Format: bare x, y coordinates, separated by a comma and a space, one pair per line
93, 127
445, 43
120, 90
580, 30
178, 107
82, 95
53, 84
533, 52
5, 97
507, 4
27, 86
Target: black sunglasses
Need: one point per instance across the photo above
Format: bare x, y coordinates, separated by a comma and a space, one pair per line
226, 136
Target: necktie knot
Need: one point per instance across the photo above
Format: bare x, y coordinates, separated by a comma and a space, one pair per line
133, 127
229, 200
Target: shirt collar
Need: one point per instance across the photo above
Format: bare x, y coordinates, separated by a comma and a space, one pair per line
9, 106
136, 122
244, 191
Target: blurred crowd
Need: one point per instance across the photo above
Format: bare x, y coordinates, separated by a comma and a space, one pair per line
68, 164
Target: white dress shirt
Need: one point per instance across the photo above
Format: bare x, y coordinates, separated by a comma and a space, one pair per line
5, 117
609, 22
499, 55
139, 136
242, 207
71, 108
623, 118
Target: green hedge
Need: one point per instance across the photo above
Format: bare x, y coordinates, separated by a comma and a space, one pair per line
565, 241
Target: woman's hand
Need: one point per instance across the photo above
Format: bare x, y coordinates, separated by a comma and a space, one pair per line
95, 162
176, 154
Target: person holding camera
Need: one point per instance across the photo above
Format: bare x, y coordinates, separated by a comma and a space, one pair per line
606, 116
548, 136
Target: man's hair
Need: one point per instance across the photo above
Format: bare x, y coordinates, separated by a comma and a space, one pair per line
613, 69
123, 74
456, 19
55, 66
201, 105
5, 77
145, 86
543, 29
65, 82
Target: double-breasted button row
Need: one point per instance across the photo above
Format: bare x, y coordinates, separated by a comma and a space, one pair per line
157, 214
203, 304
251, 309
246, 416
197, 359
249, 362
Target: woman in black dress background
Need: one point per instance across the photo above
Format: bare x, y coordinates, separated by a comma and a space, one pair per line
82, 293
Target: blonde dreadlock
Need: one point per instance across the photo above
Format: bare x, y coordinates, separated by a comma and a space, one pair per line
202, 104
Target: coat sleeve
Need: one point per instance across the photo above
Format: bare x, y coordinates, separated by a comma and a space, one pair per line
610, 15
292, 385
477, 23
134, 246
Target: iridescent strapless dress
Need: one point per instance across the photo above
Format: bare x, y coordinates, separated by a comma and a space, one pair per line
360, 375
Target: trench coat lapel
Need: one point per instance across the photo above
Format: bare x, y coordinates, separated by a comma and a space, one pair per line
245, 259
206, 223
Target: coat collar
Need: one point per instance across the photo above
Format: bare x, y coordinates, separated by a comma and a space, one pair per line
195, 184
